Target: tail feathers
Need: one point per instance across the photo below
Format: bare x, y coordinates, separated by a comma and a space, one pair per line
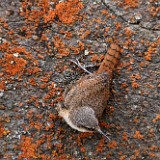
110, 60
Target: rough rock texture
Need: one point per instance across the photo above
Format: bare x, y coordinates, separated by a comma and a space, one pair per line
37, 40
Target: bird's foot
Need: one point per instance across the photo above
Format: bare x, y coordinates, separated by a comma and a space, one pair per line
79, 65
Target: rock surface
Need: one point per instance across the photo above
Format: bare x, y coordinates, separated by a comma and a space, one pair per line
37, 41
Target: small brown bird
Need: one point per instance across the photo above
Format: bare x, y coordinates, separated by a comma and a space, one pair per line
85, 101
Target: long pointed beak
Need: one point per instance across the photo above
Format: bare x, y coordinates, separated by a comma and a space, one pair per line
101, 132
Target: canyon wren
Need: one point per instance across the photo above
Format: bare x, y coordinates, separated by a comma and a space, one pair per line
85, 101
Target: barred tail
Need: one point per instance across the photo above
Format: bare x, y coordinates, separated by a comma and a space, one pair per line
110, 60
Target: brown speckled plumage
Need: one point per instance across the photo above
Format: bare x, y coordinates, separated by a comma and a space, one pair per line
91, 91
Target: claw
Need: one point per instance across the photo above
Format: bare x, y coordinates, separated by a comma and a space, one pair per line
105, 135
79, 65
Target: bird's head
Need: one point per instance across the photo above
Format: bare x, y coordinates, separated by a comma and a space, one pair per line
85, 119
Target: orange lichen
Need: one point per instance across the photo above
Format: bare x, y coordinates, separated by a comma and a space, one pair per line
136, 153
81, 45
135, 76
49, 17
112, 144
150, 86
50, 94
153, 148
3, 131
135, 84
38, 126
5, 24
156, 119
75, 49
128, 32
68, 35
124, 136
104, 11
138, 135
107, 29
28, 148
41, 10
40, 56
44, 79
82, 148
151, 50
32, 81
130, 3
95, 57
44, 37
52, 90
60, 47
43, 85
124, 85
16, 59
67, 11
154, 11
100, 145
39, 17
2, 85
48, 127
33, 70
85, 34
13, 65
54, 153
85, 134
104, 124
145, 63
52, 116
118, 25
123, 157
151, 154
135, 120
4, 46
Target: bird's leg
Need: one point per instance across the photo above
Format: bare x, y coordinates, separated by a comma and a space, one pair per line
79, 65
105, 135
